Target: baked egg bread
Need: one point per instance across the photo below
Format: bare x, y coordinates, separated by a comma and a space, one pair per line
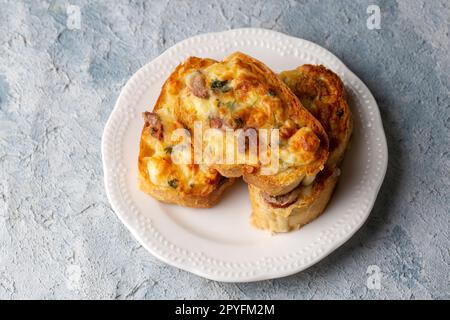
179, 182
321, 91
236, 94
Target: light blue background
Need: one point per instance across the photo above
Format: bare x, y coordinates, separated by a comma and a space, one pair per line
58, 235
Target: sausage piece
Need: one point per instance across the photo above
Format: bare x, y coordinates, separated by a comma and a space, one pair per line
197, 84
283, 200
153, 121
215, 123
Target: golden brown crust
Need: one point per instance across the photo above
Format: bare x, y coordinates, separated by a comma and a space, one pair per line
311, 203
187, 200
322, 93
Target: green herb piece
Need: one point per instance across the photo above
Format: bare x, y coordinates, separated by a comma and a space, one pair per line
168, 150
230, 105
271, 93
254, 102
239, 122
173, 183
220, 85
340, 113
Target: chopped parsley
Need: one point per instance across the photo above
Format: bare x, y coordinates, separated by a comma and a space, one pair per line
220, 85
230, 105
271, 93
168, 150
340, 113
239, 122
173, 183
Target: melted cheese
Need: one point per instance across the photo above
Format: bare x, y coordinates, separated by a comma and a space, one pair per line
239, 97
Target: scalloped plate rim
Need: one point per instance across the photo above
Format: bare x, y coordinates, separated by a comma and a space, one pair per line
267, 275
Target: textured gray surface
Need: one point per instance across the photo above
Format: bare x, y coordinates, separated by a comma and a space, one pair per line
58, 235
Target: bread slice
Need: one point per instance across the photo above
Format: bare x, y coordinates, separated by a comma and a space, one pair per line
238, 94
303, 148
321, 91
241, 94
178, 182
294, 122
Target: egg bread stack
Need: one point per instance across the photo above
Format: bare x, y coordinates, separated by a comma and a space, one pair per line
205, 102
321, 91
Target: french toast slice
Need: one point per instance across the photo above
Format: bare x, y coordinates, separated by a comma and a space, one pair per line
265, 102
238, 95
168, 178
322, 92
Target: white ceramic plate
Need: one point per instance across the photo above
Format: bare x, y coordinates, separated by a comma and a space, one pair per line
219, 243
